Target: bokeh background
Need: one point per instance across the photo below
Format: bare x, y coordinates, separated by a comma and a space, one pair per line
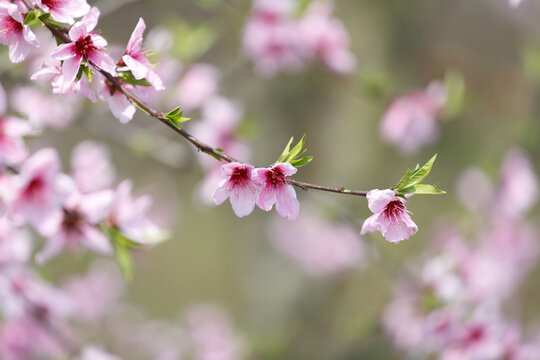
214, 257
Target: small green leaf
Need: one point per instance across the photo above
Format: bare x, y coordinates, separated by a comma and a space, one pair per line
285, 154
404, 180
292, 156
213, 155
420, 174
46, 19
297, 149
302, 161
127, 77
124, 260
175, 117
302, 7
422, 189
31, 18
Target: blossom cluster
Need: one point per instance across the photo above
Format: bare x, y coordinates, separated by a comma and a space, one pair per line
453, 307
70, 71
276, 38
246, 186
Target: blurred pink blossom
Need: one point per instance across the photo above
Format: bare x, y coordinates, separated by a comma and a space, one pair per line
390, 217
475, 190
43, 110
95, 353
91, 167
40, 189
518, 188
95, 293
82, 215
410, 122
197, 84
212, 335
130, 216
318, 246
277, 190
15, 244
325, 38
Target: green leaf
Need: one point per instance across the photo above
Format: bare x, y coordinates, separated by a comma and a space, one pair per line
415, 176
46, 19
176, 117
285, 154
422, 189
124, 260
302, 161
404, 180
420, 174
32, 18
302, 7
297, 149
213, 155
127, 77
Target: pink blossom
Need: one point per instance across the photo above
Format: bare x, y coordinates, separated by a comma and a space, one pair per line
518, 189
53, 75
65, 11
43, 110
119, 105
325, 38
79, 226
475, 190
40, 189
390, 218
91, 167
271, 38
130, 217
410, 122
319, 247
15, 244
136, 59
86, 46
221, 118
95, 293
212, 335
12, 147
14, 33
197, 84
277, 190
24, 338
239, 187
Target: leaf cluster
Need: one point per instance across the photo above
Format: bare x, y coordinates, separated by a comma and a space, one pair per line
410, 183
293, 155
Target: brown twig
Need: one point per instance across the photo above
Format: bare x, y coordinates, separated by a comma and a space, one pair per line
201, 146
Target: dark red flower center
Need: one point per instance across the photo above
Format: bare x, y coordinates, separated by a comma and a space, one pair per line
240, 175
72, 222
51, 4
275, 177
10, 27
394, 209
84, 46
35, 187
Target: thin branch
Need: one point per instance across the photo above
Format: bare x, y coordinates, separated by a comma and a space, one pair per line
200, 145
